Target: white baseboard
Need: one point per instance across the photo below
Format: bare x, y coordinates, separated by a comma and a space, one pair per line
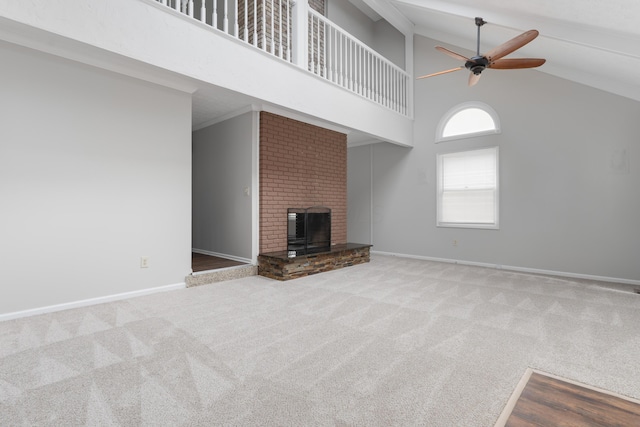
231, 257
517, 269
88, 302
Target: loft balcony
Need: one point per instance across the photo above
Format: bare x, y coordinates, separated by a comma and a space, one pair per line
294, 32
229, 54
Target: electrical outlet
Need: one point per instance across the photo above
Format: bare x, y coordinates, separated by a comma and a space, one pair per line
144, 262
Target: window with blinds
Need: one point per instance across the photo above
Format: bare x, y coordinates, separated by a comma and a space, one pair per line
468, 189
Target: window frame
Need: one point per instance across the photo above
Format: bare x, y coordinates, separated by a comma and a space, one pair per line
459, 108
439, 193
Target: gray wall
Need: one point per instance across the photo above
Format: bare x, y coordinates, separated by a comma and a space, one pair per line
565, 205
359, 194
380, 35
389, 42
95, 172
222, 169
350, 18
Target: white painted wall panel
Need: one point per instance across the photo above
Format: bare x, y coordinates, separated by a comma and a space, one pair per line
95, 172
222, 170
359, 194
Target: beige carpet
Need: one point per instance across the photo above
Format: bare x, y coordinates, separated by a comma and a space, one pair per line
393, 342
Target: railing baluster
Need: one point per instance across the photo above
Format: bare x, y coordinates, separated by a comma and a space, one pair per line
214, 15
349, 53
289, 36
190, 8
318, 51
370, 75
235, 19
354, 60
394, 87
378, 81
390, 79
383, 83
246, 22
332, 50
358, 69
387, 89
255, 22
272, 3
342, 62
203, 12
324, 50
225, 18
314, 44
264, 27
280, 53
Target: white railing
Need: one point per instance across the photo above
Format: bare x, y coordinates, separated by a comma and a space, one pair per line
344, 60
329, 51
265, 24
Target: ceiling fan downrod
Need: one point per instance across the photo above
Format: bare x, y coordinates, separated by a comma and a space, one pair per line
478, 63
479, 23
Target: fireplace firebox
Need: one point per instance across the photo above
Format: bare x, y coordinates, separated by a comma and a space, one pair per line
308, 230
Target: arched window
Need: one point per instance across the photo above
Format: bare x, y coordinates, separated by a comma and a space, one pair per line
466, 120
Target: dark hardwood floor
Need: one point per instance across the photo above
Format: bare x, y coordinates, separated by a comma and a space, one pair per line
200, 262
548, 401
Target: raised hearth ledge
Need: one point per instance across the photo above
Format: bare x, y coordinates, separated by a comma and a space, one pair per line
279, 266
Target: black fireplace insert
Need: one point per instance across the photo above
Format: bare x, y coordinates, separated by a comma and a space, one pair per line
308, 230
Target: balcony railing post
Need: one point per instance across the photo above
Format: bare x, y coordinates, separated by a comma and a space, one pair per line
300, 32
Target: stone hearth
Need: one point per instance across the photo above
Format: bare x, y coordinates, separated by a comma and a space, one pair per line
280, 266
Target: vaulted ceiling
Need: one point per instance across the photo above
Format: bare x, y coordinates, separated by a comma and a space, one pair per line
593, 42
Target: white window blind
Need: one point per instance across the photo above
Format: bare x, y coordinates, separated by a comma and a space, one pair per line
468, 188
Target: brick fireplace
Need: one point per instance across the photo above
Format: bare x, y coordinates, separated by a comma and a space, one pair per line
302, 165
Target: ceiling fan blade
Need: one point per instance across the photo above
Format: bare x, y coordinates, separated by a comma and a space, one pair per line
473, 79
511, 45
441, 72
452, 53
509, 64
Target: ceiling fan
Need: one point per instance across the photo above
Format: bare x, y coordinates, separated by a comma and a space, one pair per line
492, 59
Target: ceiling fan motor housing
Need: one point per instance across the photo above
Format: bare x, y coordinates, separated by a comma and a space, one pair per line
477, 64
